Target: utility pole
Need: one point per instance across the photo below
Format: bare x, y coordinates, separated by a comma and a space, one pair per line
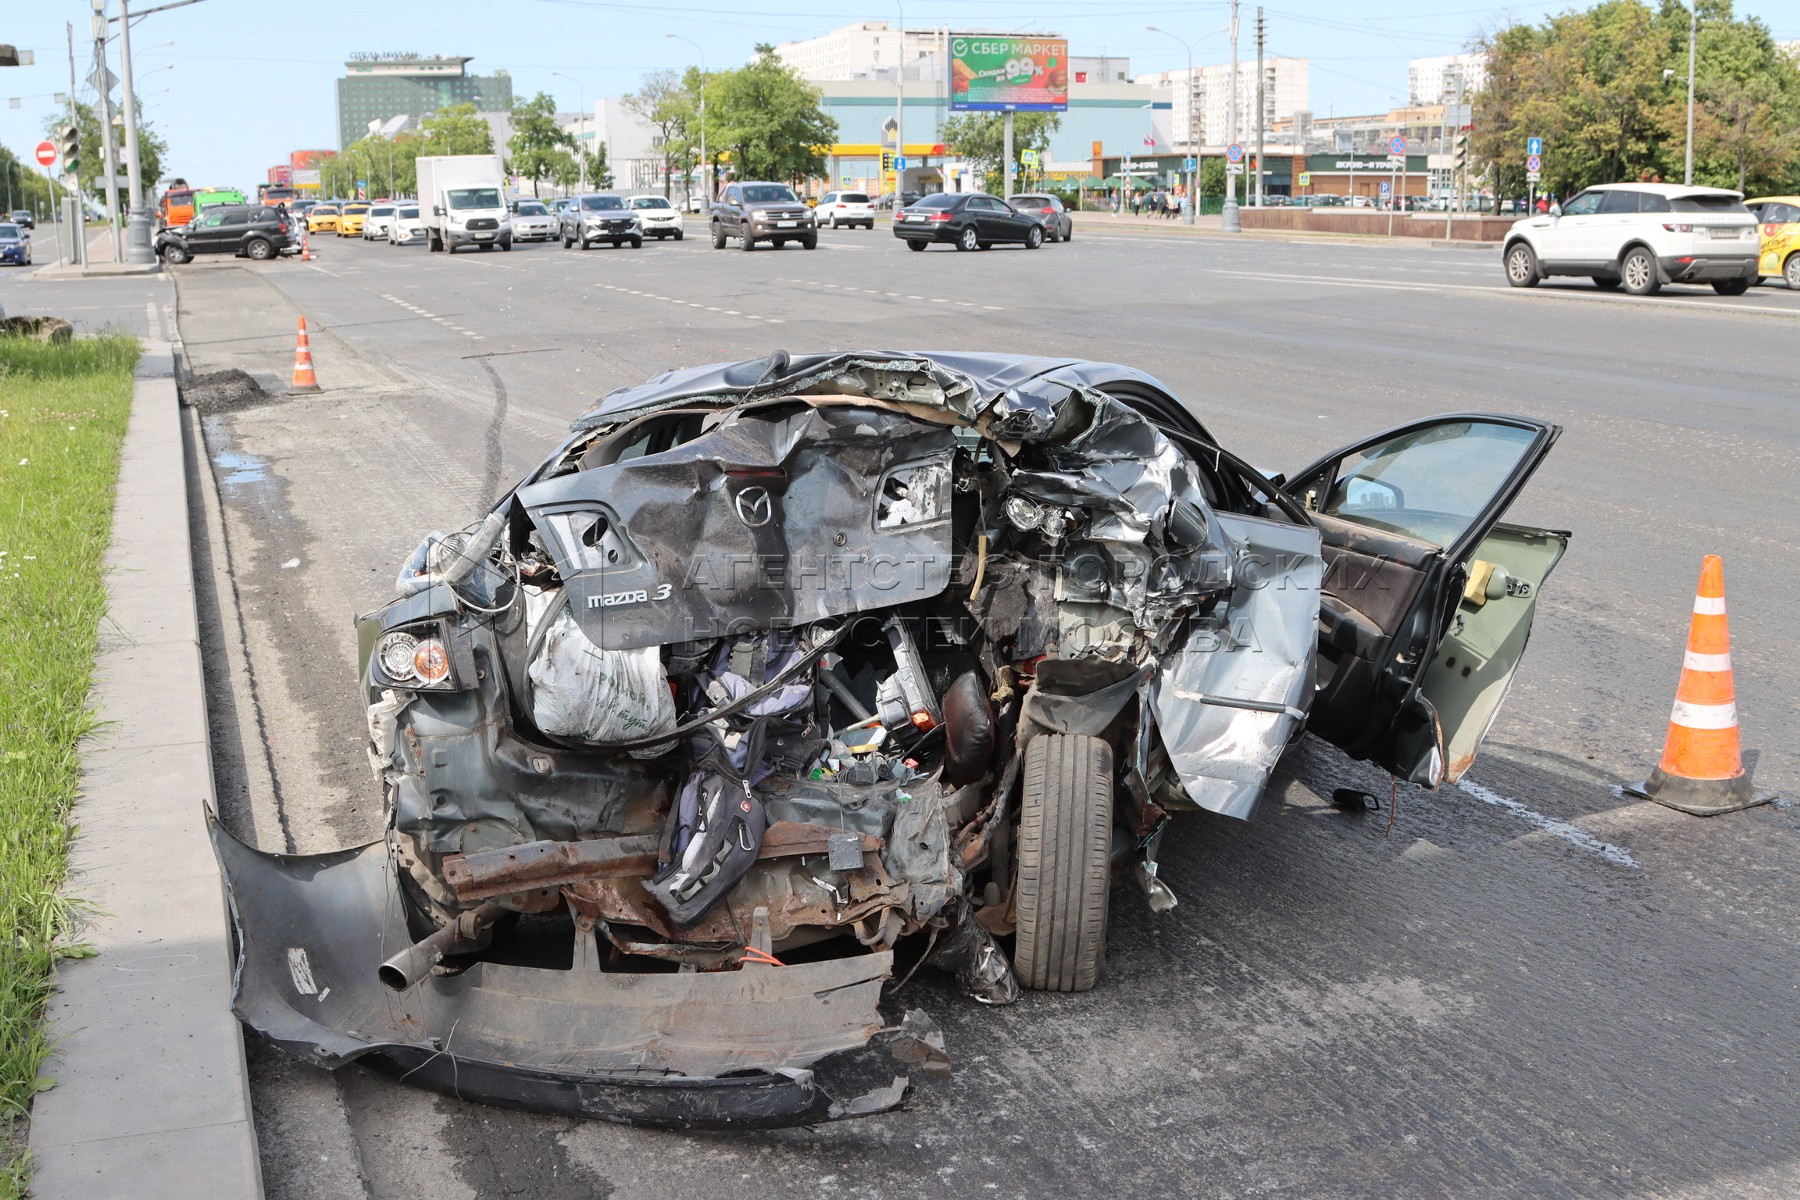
110, 166
1693, 37
1007, 186
1261, 31
900, 116
137, 223
1228, 216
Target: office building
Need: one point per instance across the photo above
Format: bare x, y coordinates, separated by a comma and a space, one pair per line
381, 87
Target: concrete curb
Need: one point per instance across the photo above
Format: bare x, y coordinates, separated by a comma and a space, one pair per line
152, 1098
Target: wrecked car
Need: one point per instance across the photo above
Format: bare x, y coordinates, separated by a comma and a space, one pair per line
777, 674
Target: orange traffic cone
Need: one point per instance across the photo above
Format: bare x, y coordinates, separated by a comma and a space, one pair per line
306, 254
304, 379
1702, 769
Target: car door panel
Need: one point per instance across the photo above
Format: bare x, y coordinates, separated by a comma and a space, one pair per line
1479, 655
1401, 530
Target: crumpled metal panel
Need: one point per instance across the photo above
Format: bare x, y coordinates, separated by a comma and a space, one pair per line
762, 522
650, 1049
1261, 654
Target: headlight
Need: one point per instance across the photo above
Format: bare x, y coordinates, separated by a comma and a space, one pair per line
1024, 514
415, 658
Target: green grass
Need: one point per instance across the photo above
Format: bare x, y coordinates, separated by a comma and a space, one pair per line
63, 410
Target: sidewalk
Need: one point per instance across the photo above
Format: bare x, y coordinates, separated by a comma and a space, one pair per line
151, 1099
1209, 226
99, 260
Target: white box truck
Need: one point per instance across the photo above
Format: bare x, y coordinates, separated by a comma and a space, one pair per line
462, 200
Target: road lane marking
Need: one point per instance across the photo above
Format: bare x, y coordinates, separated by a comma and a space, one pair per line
731, 312
1575, 835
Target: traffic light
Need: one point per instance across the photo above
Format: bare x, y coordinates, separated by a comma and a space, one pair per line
1461, 156
887, 162
68, 144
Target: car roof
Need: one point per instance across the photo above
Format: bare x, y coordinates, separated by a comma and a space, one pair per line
1773, 200
1671, 190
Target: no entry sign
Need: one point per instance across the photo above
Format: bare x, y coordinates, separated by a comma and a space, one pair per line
46, 154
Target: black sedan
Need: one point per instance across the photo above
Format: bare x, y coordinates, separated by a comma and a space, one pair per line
967, 220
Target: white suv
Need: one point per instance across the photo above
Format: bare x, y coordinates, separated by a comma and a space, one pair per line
846, 208
1641, 235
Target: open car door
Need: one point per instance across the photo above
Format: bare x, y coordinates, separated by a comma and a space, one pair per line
1427, 599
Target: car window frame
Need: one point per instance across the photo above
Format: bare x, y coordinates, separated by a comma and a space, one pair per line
1596, 193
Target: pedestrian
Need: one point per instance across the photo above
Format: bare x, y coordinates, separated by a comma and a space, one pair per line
1137, 202
1543, 204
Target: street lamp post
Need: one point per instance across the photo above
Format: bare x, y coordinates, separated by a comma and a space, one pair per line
1693, 37
137, 224
580, 150
1193, 195
900, 118
1228, 214
704, 159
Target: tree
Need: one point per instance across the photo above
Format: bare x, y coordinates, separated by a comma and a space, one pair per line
770, 120
1606, 90
151, 150
1212, 178
666, 105
540, 148
457, 130
980, 140
384, 165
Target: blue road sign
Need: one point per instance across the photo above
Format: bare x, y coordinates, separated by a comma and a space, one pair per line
1386, 187
1234, 152
899, 162
1190, 164
1534, 146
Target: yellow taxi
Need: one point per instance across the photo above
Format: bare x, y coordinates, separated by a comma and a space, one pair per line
322, 218
1778, 219
350, 220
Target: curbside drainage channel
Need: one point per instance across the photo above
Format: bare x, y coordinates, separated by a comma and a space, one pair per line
152, 1099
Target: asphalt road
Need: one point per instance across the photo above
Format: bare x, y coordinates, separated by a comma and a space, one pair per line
1525, 985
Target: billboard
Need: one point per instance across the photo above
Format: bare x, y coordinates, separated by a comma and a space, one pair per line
1008, 74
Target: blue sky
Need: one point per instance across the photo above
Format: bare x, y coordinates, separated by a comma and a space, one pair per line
234, 85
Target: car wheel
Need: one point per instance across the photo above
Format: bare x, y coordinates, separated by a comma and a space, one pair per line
1064, 863
678, 235
582, 242
912, 245
967, 240
1638, 272
746, 243
1068, 233
567, 241
1521, 266
1790, 271
810, 243
1731, 287
718, 232
1606, 283
637, 243
259, 249
1034, 237
507, 245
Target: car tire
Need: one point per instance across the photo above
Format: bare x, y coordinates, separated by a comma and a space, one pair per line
507, 245
1790, 271
718, 236
1069, 233
1034, 237
1607, 283
678, 235
746, 243
260, 249
831, 224
968, 239
914, 245
1638, 272
1731, 287
1064, 850
810, 243
637, 243
1521, 266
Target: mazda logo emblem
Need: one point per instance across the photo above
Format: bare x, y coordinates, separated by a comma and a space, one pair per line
754, 508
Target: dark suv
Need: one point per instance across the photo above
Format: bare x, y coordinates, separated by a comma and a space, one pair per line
763, 212
253, 230
23, 217
600, 217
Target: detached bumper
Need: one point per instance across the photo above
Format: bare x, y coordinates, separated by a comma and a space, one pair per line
1705, 268
717, 1050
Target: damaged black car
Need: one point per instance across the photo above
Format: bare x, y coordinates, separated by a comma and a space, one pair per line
774, 671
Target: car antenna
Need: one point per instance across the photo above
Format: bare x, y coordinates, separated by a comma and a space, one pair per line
778, 365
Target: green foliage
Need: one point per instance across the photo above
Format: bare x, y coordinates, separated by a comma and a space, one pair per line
152, 150
1212, 179
22, 185
770, 120
980, 139
539, 147
385, 164
667, 105
1592, 85
63, 409
456, 130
